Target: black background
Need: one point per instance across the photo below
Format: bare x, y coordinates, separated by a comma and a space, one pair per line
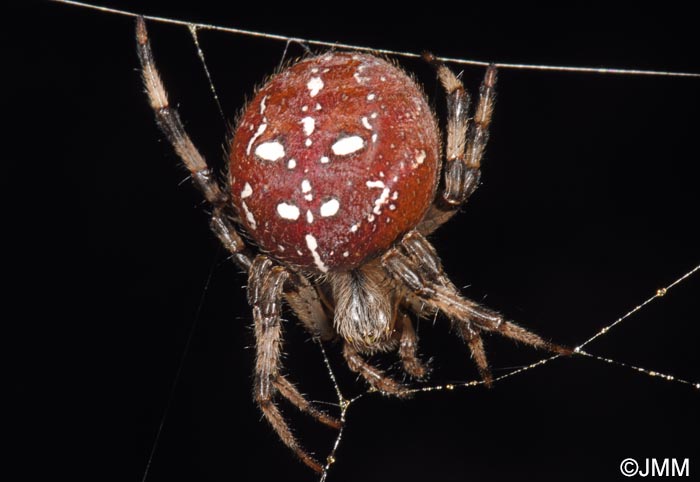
589, 203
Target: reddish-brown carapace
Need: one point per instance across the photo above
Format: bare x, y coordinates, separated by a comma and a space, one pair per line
336, 177
333, 159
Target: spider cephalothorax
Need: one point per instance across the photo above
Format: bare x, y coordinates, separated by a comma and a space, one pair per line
336, 176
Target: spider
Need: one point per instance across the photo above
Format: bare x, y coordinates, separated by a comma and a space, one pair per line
336, 176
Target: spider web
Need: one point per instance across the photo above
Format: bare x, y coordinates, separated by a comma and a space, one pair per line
345, 403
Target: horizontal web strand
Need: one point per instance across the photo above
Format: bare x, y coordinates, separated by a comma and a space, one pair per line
323, 43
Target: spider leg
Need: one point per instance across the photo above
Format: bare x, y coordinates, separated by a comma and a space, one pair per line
305, 301
375, 377
466, 141
408, 349
266, 283
471, 336
170, 124
291, 393
415, 264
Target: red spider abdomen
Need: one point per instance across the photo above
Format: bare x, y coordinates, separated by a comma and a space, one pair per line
333, 159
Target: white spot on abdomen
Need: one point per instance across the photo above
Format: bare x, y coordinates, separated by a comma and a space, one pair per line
379, 184
314, 85
249, 216
257, 134
365, 122
288, 211
420, 157
247, 191
305, 186
379, 202
309, 216
309, 125
291, 164
313, 246
270, 151
348, 145
330, 208
359, 78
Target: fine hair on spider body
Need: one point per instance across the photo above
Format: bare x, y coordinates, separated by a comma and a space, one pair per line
367, 308
336, 176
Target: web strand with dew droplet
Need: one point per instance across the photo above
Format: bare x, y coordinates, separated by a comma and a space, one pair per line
194, 27
345, 404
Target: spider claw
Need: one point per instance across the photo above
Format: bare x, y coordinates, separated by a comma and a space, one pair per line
375, 377
487, 378
331, 422
561, 349
290, 392
429, 57
416, 369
